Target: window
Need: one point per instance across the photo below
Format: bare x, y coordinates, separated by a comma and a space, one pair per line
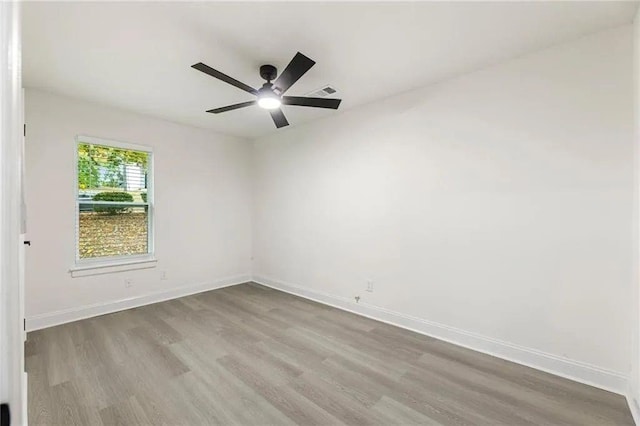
114, 202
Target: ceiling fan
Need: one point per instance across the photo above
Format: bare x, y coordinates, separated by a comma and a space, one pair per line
270, 95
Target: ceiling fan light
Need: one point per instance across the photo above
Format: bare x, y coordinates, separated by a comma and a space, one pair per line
269, 102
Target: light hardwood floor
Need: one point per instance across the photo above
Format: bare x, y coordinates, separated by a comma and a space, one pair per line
250, 355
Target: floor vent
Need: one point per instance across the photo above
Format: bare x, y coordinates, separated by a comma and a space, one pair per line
323, 92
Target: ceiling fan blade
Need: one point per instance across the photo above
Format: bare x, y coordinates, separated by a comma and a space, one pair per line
311, 102
278, 118
221, 76
232, 107
298, 66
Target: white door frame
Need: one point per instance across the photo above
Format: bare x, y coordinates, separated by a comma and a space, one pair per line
12, 383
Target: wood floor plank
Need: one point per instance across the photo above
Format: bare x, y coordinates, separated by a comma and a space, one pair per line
326, 345
290, 403
207, 401
67, 411
151, 348
39, 392
401, 414
249, 354
334, 400
251, 405
58, 356
124, 413
291, 353
538, 408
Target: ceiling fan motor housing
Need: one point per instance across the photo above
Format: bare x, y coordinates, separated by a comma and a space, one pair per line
268, 72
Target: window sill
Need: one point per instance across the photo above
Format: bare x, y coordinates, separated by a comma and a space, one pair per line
111, 267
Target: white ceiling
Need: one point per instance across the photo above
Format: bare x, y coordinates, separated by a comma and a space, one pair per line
137, 56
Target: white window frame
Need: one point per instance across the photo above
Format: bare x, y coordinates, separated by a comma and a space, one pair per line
109, 264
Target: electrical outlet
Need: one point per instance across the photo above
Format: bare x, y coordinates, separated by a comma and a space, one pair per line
163, 276
370, 286
128, 282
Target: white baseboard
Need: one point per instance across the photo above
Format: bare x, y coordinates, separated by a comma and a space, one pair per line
571, 369
51, 319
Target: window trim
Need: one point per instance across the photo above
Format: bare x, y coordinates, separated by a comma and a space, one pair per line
145, 260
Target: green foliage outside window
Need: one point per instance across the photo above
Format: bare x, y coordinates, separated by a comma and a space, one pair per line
103, 166
112, 196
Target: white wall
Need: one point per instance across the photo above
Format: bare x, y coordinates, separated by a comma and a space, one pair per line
493, 209
202, 206
635, 299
